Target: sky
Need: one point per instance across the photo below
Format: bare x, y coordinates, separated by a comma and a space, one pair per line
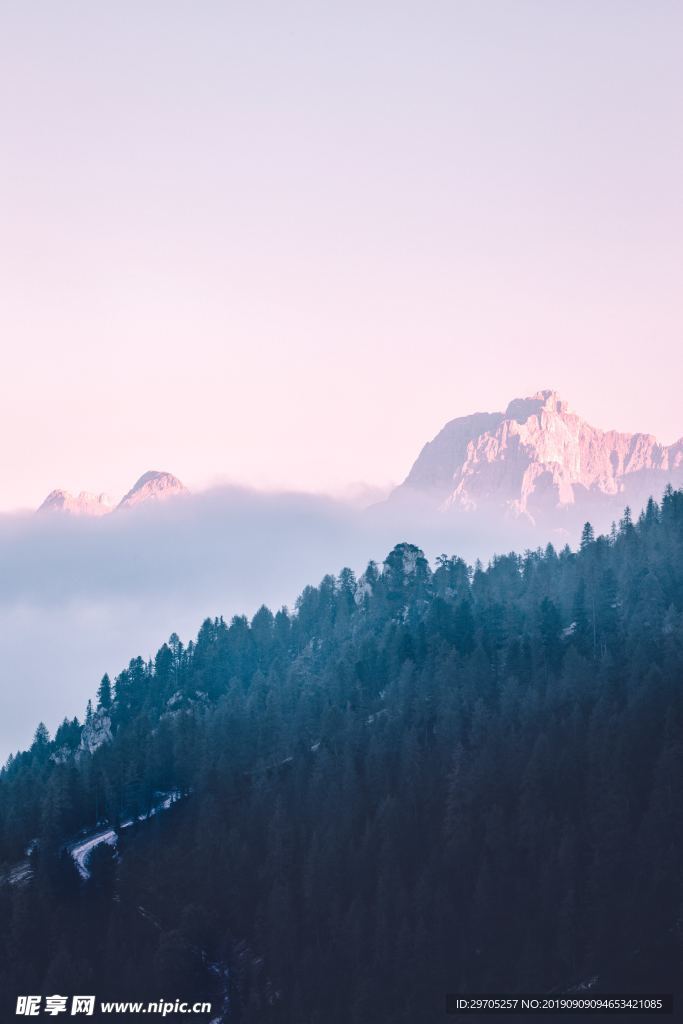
282, 244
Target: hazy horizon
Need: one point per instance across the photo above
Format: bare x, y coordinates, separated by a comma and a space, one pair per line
100, 591
355, 492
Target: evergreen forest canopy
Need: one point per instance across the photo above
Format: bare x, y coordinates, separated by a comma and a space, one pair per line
422, 781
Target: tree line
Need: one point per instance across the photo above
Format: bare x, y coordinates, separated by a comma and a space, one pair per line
421, 780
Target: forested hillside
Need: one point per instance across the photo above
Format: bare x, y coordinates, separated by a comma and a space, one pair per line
427, 779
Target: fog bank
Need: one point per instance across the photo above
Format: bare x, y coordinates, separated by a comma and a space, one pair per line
82, 596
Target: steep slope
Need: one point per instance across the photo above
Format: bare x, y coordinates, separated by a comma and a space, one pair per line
538, 459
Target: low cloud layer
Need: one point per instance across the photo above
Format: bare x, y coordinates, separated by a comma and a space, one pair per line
81, 596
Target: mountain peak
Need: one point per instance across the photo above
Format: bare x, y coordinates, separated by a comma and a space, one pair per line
152, 486
83, 504
155, 486
538, 459
521, 409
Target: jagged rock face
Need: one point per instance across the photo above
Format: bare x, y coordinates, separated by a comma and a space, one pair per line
83, 504
153, 486
363, 590
96, 732
538, 458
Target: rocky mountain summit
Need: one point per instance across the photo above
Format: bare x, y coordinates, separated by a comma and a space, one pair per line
152, 486
83, 504
540, 461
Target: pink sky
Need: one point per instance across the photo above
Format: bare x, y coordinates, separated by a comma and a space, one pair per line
283, 244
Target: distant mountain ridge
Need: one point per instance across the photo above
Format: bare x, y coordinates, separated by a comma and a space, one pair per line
539, 460
83, 504
152, 486
537, 463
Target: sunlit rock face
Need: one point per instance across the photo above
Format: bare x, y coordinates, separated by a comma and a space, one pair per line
153, 486
83, 504
538, 459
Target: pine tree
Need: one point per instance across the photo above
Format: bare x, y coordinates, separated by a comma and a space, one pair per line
587, 536
104, 693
